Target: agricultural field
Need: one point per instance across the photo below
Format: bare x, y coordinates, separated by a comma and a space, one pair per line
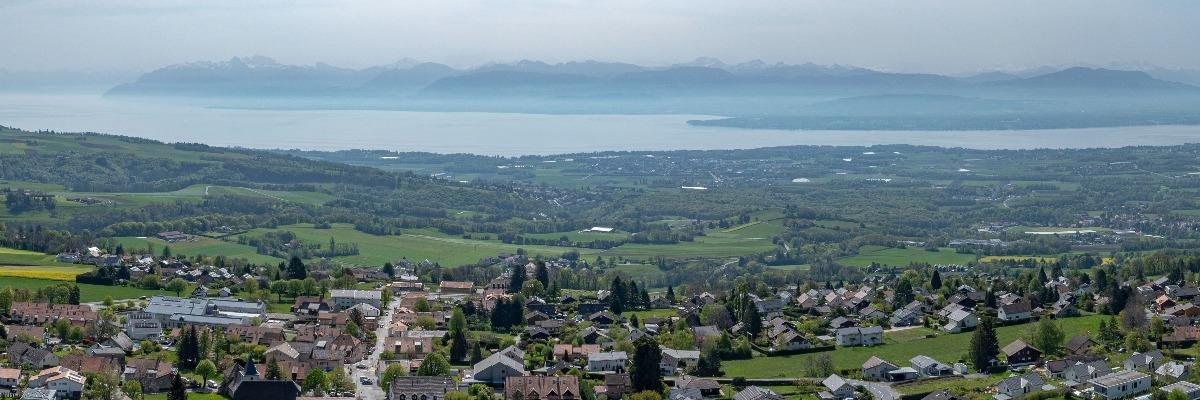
14, 257
197, 245
52, 273
637, 272
744, 240
899, 348
902, 257
87, 292
376, 250
581, 236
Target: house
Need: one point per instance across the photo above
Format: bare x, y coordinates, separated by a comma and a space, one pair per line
1120, 385
836, 388
791, 341
1018, 386
244, 383
422, 387
457, 287
1082, 372
615, 386
23, 354
927, 366
39, 394
902, 374
613, 361
877, 369
1171, 371
708, 388
64, 381
960, 320
26, 333
496, 368
1190, 390
673, 360
856, 336
154, 375
757, 393
1147, 361
564, 387
1080, 344
905, 317
10, 377
345, 298
1020, 353
603, 318
1015, 312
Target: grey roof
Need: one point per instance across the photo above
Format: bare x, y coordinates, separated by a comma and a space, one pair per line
1031, 379
498, 358
1182, 386
1118, 378
834, 382
608, 356
38, 394
959, 315
757, 393
356, 294
870, 330
923, 361
875, 362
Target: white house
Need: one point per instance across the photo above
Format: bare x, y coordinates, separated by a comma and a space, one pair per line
927, 366
673, 360
609, 361
1014, 312
142, 325
855, 336
1191, 390
837, 388
877, 369
1018, 386
960, 320
1120, 385
64, 381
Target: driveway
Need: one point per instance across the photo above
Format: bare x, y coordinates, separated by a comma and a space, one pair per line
881, 391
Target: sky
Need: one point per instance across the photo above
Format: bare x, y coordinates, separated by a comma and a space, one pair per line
950, 36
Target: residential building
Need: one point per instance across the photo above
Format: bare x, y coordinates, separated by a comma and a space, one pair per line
757, 393
1015, 312
927, 366
678, 360
563, 387
1020, 353
422, 387
613, 361
836, 388
64, 381
344, 298
1191, 390
857, 336
1147, 361
497, 368
1018, 386
877, 369
1120, 385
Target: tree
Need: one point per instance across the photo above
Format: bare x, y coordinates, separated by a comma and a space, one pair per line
935, 282
709, 364
295, 268
820, 365
434, 364
178, 391
1048, 337
1177, 395
645, 373
985, 347
532, 289
1133, 317
274, 373
390, 374
177, 285
315, 381
617, 296
458, 346
751, 322
458, 320
206, 368
102, 386
389, 269
671, 294
542, 274
339, 381
133, 389
517, 280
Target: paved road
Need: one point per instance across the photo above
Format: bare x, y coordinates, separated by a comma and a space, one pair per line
373, 391
881, 391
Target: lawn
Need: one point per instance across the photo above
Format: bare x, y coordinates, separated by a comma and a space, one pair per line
637, 272
87, 292
26, 258
659, 313
901, 257
947, 348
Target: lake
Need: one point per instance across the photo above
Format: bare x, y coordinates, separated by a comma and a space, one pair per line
496, 133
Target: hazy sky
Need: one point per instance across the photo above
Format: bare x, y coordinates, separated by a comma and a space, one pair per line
909, 35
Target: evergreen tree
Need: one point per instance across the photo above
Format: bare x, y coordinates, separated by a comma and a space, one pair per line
389, 269
458, 346
73, 294
709, 364
985, 346
751, 321
517, 280
274, 373
542, 274
646, 373
178, 391
935, 281
671, 294
295, 268
617, 295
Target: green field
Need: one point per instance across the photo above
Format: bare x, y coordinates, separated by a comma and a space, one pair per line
902, 257
447, 250
579, 236
87, 292
198, 245
27, 258
899, 348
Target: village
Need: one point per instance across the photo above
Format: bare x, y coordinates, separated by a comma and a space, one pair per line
518, 336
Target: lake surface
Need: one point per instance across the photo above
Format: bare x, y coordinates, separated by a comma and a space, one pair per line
497, 133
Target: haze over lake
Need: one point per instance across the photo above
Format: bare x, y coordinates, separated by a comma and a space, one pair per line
497, 133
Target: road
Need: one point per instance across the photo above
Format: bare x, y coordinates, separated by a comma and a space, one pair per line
881, 391
373, 391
